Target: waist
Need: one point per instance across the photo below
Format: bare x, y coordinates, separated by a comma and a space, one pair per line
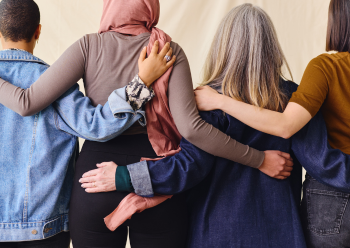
135, 145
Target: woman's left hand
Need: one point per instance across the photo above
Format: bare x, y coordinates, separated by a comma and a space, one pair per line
207, 99
101, 179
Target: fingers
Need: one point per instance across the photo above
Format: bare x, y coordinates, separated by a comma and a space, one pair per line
288, 168
281, 177
104, 164
155, 48
143, 55
89, 185
286, 155
87, 179
171, 62
90, 173
169, 53
285, 174
289, 163
165, 50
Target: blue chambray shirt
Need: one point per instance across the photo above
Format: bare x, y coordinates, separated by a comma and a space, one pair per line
37, 153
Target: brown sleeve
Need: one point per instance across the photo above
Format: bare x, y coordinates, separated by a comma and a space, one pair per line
60, 77
190, 125
313, 88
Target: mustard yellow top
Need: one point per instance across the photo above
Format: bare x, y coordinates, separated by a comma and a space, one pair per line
325, 86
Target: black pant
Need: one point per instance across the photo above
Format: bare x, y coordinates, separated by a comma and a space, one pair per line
61, 240
164, 226
325, 214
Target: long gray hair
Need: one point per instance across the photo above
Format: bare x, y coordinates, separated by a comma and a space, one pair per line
247, 59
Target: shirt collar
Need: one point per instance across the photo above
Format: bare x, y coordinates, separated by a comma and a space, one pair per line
19, 55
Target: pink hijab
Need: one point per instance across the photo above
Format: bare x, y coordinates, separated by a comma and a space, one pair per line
135, 17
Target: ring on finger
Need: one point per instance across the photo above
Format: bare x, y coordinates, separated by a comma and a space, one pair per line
94, 184
168, 58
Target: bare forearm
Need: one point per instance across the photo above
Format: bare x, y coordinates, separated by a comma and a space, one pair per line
284, 124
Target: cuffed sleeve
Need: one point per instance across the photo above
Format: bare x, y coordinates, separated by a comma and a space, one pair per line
138, 94
141, 179
123, 180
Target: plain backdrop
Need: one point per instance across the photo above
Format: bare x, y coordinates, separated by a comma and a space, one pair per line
300, 24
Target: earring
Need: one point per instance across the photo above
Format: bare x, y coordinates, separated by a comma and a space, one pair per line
37, 41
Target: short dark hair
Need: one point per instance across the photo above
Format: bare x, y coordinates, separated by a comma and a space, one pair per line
19, 19
338, 31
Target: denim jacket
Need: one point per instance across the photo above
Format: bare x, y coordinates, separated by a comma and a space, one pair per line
37, 153
232, 205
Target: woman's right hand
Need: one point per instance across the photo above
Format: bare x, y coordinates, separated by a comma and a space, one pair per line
153, 67
277, 164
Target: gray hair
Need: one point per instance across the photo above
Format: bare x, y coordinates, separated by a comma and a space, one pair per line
247, 59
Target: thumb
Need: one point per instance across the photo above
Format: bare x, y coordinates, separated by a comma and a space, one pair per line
102, 165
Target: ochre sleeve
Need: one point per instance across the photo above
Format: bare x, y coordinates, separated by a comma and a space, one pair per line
190, 125
313, 88
60, 77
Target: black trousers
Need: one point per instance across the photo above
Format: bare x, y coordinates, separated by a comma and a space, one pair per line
61, 240
325, 214
164, 226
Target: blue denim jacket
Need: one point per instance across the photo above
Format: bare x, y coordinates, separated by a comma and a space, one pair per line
232, 205
37, 153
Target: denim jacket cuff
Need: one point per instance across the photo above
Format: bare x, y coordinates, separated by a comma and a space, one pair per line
118, 105
141, 179
138, 94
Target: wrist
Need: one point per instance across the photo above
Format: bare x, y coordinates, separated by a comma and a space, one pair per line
147, 81
221, 102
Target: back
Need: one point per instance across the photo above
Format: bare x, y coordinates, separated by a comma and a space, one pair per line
239, 206
36, 161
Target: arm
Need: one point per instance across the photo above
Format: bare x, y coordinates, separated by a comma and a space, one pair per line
77, 115
65, 73
59, 78
191, 126
325, 164
304, 104
170, 175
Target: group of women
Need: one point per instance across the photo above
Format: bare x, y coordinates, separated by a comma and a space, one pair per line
226, 192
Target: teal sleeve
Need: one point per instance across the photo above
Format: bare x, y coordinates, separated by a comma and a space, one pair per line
123, 180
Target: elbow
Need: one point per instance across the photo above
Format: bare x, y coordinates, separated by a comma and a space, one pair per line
285, 132
25, 113
188, 134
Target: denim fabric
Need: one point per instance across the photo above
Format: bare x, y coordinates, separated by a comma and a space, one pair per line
328, 166
326, 215
232, 205
100, 123
37, 158
140, 179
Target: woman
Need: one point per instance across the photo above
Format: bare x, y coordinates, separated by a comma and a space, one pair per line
110, 57
232, 205
324, 87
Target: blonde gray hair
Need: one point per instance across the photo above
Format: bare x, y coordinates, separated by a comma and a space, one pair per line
247, 59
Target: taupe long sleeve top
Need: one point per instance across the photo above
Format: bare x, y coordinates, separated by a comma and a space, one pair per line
109, 61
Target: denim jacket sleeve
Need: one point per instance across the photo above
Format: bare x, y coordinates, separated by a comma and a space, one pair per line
177, 173
76, 115
325, 164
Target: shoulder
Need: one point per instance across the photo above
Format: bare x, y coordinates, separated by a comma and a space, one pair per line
326, 62
179, 52
288, 87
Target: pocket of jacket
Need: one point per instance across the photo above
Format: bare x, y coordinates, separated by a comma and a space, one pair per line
325, 210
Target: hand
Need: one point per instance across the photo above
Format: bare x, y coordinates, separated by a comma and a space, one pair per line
155, 65
101, 179
207, 99
277, 164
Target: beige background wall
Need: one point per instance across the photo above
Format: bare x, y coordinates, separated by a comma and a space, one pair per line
301, 26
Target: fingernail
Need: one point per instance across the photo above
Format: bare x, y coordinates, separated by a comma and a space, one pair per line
82, 186
80, 180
